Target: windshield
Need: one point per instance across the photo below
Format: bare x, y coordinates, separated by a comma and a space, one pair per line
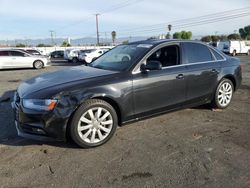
120, 58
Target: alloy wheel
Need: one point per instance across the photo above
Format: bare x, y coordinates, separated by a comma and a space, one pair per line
225, 94
38, 65
95, 125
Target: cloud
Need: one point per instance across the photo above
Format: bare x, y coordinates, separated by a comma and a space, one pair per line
76, 17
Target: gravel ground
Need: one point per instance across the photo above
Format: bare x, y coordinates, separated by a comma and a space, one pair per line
195, 147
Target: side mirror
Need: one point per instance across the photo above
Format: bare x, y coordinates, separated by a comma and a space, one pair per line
151, 65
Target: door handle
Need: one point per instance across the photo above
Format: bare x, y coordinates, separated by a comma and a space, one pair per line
180, 76
214, 71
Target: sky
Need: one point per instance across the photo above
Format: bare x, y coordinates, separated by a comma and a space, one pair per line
34, 19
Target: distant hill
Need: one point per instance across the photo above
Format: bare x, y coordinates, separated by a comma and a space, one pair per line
74, 42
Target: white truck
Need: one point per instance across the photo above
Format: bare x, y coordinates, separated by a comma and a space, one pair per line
234, 47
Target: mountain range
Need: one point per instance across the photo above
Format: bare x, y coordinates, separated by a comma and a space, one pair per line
73, 42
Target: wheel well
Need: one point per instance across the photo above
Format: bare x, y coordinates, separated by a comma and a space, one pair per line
114, 105
106, 99
232, 79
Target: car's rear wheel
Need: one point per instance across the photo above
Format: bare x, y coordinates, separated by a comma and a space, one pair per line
223, 94
74, 60
38, 64
248, 53
93, 124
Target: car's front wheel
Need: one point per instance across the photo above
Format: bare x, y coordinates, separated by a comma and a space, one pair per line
234, 53
223, 94
93, 124
38, 64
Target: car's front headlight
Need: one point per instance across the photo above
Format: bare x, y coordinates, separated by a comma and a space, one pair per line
39, 104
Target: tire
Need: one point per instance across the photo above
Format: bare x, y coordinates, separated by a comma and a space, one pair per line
38, 64
224, 94
234, 53
74, 60
87, 131
248, 53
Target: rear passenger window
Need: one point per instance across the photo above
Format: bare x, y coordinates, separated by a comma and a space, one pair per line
217, 55
4, 53
196, 52
16, 53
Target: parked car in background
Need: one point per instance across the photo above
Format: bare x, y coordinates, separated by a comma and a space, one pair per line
71, 55
234, 47
57, 54
128, 83
88, 57
81, 55
33, 52
21, 59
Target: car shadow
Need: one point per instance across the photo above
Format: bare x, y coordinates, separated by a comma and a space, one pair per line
8, 133
16, 69
203, 107
66, 64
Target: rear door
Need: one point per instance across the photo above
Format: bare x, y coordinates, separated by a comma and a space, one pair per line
5, 61
202, 74
20, 59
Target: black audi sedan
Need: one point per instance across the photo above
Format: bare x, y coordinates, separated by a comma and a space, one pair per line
126, 84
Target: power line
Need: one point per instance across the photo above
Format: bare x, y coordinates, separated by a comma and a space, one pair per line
122, 5
214, 15
191, 21
104, 11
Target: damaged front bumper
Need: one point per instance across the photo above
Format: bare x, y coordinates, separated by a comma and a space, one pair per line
37, 125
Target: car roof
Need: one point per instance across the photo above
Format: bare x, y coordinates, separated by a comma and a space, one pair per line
11, 49
155, 42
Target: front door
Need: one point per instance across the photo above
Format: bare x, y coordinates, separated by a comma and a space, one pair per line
160, 90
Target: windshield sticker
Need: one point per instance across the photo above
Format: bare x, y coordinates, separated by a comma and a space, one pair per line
144, 45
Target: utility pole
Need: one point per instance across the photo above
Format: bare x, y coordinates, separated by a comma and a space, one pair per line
97, 28
51, 35
106, 39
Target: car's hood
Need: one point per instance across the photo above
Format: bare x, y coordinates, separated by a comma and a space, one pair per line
59, 77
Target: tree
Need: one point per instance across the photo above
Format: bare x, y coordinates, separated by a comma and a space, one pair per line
43, 45
169, 27
215, 38
65, 44
223, 37
113, 34
206, 38
168, 36
234, 36
177, 35
186, 34
182, 35
245, 32
20, 45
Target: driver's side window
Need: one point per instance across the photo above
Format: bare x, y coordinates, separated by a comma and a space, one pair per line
167, 56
